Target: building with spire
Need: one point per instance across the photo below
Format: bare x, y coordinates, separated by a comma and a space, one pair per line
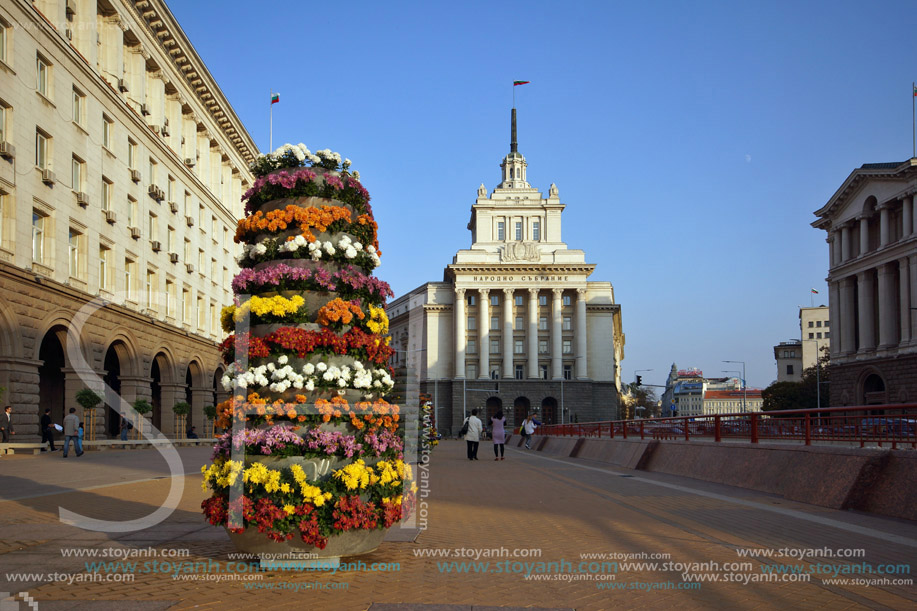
515, 324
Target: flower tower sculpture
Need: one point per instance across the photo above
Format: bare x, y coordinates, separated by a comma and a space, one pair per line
312, 460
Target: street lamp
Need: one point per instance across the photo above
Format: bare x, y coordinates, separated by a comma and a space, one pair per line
744, 386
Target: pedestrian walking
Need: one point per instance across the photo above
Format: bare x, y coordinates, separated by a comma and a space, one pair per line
79, 440
498, 433
473, 436
125, 427
528, 429
6, 423
71, 432
47, 430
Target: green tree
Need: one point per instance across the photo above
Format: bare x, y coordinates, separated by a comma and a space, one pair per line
799, 395
639, 401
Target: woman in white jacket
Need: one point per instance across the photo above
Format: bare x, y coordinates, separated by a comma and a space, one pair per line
473, 436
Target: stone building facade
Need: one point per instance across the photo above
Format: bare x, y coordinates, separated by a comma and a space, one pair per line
872, 245
122, 167
515, 324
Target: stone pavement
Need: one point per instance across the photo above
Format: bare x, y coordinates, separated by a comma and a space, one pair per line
561, 509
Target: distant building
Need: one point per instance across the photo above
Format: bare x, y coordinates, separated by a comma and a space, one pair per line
789, 361
695, 395
872, 278
815, 334
515, 324
122, 167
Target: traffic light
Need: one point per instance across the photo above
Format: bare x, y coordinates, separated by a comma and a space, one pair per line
639, 380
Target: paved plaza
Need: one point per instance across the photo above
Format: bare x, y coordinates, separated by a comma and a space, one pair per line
558, 516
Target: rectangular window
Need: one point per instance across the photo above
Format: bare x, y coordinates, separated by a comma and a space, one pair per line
187, 253
73, 248
518, 231
542, 300
568, 372
543, 372
213, 271
811, 336
151, 300
104, 268
187, 204
170, 299
494, 300
501, 231
170, 240
826, 323
42, 149
214, 319
471, 300
543, 323
106, 195
472, 323
495, 346
79, 106
817, 323
3, 119
186, 306
213, 228
519, 323
495, 373
201, 314
38, 237
471, 371
495, 323
567, 346
43, 76
132, 220
567, 300
131, 154
542, 346
77, 173
471, 346
536, 231
153, 166
225, 238
170, 190
827, 334
107, 129
520, 372
130, 275
519, 347
568, 323
811, 324
818, 335
789, 370
200, 216
3, 40
200, 261
519, 301
226, 283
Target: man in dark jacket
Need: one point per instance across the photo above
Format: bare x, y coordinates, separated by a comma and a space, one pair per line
47, 430
6, 423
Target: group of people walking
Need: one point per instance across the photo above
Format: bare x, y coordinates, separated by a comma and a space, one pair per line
474, 431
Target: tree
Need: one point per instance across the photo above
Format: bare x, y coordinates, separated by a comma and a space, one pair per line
799, 395
88, 398
636, 397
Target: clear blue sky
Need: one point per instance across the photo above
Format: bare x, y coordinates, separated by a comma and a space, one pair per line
691, 142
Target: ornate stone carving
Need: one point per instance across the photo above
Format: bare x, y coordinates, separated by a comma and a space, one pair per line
482, 191
521, 251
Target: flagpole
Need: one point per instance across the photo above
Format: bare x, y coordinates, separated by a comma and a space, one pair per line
271, 141
914, 116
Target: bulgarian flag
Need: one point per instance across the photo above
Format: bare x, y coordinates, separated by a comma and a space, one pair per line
275, 97
527, 82
814, 292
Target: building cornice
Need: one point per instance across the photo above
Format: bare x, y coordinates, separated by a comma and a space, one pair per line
176, 45
906, 170
504, 268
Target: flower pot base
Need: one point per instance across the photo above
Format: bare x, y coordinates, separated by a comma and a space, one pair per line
349, 543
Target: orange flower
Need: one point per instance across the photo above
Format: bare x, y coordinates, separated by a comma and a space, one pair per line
338, 310
280, 220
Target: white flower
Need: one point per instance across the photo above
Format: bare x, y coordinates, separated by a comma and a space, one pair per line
358, 246
329, 248
321, 367
282, 359
271, 366
259, 249
308, 369
327, 376
371, 249
350, 253
310, 386
342, 383
356, 175
347, 163
300, 240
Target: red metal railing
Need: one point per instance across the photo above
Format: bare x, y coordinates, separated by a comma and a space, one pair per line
879, 424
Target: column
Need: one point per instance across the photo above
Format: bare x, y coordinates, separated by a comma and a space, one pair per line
170, 394
76, 380
864, 235
834, 318
508, 333
887, 316
484, 333
904, 301
845, 242
459, 312
884, 226
200, 396
581, 335
532, 335
866, 315
907, 216
847, 323
557, 369
833, 241
913, 304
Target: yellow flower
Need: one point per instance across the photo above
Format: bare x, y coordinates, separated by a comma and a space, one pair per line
289, 509
378, 321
